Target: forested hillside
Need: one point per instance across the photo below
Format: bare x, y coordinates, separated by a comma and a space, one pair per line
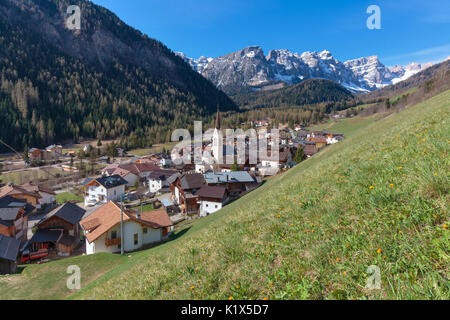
307, 92
106, 80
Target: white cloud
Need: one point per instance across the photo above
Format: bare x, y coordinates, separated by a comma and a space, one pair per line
435, 54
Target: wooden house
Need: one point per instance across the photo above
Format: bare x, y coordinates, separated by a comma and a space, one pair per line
20, 194
183, 188
65, 219
9, 250
14, 217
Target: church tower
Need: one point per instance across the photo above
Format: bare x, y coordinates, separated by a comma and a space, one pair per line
217, 141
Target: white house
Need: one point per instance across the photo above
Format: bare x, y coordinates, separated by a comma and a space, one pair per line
211, 199
104, 189
157, 180
102, 228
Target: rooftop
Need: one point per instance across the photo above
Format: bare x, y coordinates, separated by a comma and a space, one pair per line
224, 177
9, 248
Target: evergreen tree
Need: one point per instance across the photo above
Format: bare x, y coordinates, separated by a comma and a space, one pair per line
299, 155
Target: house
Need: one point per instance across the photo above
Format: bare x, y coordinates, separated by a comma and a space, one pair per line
202, 167
319, 141
54, 151
284, 160
310, 150
183, 188
235, 181
108, 170
334, 137
66, 219
158, 180
105, 189
102, 228
47, 194
20, 194
140, 170
9, 250
129, 176
211, 199
14, 217
35, 154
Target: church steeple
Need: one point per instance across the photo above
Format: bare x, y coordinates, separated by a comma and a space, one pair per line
218, 119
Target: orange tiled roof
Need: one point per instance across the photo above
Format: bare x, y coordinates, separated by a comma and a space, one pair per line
13, 190
108, 216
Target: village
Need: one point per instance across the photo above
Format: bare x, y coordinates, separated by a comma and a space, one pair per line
128, 203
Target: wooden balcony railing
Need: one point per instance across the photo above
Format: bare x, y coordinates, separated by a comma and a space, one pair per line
112, 242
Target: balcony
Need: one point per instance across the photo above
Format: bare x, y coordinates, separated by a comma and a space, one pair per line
112, 242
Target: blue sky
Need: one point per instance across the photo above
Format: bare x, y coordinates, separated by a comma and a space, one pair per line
413, 30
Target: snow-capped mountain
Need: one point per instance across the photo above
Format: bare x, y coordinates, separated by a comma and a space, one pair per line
249, 68
197, 64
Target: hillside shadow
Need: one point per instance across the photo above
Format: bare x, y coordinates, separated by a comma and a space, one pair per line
179, 234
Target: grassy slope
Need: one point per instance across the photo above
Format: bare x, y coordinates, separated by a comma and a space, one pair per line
285, 240
347, 126
63, 197
48, 280
379, 198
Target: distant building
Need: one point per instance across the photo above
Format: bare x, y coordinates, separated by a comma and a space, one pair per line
158, 180
20, 194
105, 189
235, 181
48, 196
14, 217
64, 219
211, 199
9, 251
183, 188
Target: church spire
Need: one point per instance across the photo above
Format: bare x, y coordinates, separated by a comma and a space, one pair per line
218, 118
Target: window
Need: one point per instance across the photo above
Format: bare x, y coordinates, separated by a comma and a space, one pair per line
145, 230
113, 234
135, 239
207, 205
216, 206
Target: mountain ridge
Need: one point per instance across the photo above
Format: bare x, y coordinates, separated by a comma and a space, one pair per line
251, 69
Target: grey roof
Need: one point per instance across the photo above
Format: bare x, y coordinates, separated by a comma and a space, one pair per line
9, 213
162, 174
173, 177
111, 181
12, 203
192, 181
188, 180
43, 235
68, 212
224, 177
212, 192
9, 248
8, 216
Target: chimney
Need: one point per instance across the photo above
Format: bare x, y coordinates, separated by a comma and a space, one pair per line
139, 212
